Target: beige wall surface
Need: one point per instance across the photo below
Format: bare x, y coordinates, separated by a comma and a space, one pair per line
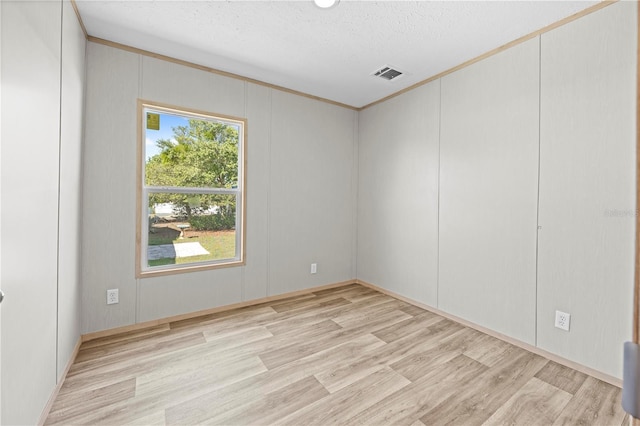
30, 78
70, 216
1, 26
299, 190
398, 194
587, 186
109, 191
310, 208
42, 102
566, 96
488, 191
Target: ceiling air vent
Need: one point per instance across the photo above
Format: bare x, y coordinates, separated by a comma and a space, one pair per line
387, 73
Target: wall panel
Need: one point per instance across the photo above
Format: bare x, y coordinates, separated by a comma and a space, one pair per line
0, 210
166, 296
398, 194
31, 34
255, 274
109, 194
587, 201
174, 84
488, 192
310, 204
70, 220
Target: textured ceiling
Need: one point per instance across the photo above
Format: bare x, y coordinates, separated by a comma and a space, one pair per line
328, 53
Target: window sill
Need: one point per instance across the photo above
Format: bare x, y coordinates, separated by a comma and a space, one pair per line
187, 269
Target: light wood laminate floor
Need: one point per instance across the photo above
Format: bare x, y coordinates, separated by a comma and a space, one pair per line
348, 355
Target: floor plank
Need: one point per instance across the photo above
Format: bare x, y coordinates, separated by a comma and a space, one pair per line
274, 405
154, 419
475, 401
161, 343
595, 403
565, 378
404, 328
131, 335
488, 350
369, 362
419, 364
306, 346
197, 409
349, 401
66, 409
536, 403
413, 401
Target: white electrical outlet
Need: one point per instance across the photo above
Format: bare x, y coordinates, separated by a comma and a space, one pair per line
563, 320
314, 268
112, 296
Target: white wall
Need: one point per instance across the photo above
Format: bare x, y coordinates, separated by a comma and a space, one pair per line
34, 188
488, 191
108, 240
587, 186
299, 190
0, 210
70, 203
569, 94
31, 82
398, 194
310, 193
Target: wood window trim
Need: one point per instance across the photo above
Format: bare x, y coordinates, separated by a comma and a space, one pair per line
142, 273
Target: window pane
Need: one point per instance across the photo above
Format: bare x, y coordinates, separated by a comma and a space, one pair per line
191, 228
189, 152
190, 193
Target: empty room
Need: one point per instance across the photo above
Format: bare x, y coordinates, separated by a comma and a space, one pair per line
319, 212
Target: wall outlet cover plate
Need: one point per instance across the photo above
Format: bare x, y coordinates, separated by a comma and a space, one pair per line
563, 320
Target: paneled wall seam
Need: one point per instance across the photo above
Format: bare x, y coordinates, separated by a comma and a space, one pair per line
0, 202
59, 184
270, 180
438, 209
81, 187
538, 196
487, 191
140, 92
72, 51
355, 182
635, 332
244, 189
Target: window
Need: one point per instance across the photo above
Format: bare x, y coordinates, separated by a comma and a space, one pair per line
190, 190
